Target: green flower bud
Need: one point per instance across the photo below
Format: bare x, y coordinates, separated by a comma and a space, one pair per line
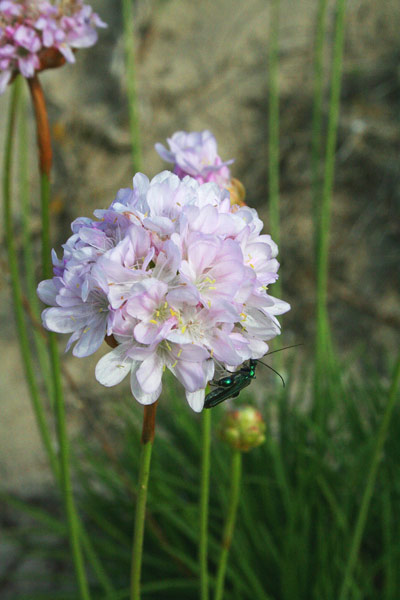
243, 429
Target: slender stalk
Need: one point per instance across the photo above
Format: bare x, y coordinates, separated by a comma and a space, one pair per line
16, 287
45, 156
45, 161
204, 497
236, 471
140, 514
29, 266
130, 65
316, 137
323, 344
370, 484
273, 127
66, 486
273, 137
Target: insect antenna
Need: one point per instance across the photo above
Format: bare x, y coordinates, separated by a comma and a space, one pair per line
284, 348
272, 369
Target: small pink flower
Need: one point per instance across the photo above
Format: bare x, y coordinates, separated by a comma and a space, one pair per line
196, 154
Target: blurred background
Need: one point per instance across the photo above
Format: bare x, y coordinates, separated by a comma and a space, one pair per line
204, 65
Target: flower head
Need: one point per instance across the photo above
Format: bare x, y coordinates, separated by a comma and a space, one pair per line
176, 275
243, 429
40, 34
196, 154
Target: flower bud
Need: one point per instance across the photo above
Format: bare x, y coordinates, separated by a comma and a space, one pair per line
243, 429
237, 192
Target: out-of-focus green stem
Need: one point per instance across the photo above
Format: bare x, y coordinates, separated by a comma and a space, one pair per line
204, 499
236, 470
370, 484
316, 137
130, 68
140, 514
323, 344
16, 283
273, 127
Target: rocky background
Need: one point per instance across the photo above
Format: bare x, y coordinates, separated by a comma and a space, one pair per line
205, 65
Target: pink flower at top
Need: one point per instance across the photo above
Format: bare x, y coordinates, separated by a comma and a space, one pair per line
39, 34
196, 154
176, 275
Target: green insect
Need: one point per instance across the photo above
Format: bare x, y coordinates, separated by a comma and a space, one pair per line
231, 385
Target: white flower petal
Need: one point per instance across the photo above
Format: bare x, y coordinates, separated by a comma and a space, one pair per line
137, 391
196, 400
113, 367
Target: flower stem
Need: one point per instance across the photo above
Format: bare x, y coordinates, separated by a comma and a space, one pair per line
45, 161
273, 128
317, 109
73, 524
323, 342
16, 287
236, 471
370, 484
130, 66
28, 255
45, 156
204, 497
149, 417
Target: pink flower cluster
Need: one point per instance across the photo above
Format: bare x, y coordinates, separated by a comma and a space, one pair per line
29, 28
196, 154
176, 275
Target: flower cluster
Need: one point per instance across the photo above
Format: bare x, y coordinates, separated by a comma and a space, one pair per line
31, 30
196, 154
176, 275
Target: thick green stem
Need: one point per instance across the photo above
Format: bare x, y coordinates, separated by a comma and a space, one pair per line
370, 484
204, 498
236, 471
140, 514
323, 343
45, 162
130, 67
16, 286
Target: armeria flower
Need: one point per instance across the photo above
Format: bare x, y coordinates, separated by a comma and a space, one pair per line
243, 429
40, 34
176, 275
196, 154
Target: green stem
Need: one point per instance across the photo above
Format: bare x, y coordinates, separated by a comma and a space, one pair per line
66, 486
273, 127
236, 470
27, 248
204, 497
16, 287
316, 137
130, 65
323, 343
140, 514
45, 161
370, 484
